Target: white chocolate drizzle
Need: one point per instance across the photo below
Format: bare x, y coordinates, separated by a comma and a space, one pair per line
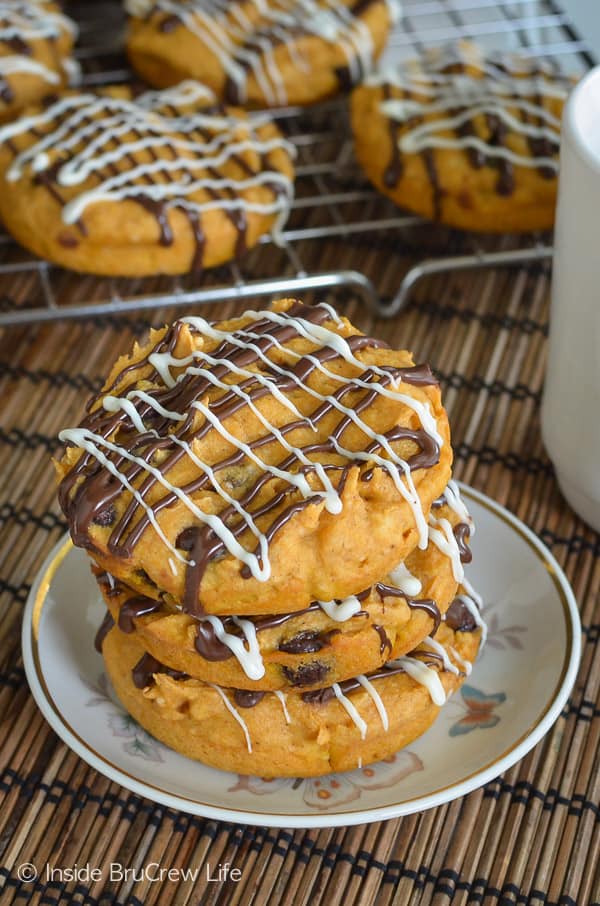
473, 594
423, 675
136, 407
377, 701
73, 71
246, 45
235, 714
405, 581
350, 709
168, 150
19, 63
281, 696
342, 610
396, 467
434, 645
465, 665
31, 20
472, 602
441, 532
87, 441
441, 100
246, 651
23, 23
455, 502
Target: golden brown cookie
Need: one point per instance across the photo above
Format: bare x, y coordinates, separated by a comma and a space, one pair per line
464, 139
36, 40
326, 643
167, 182
263, 54
257, 464
305, 734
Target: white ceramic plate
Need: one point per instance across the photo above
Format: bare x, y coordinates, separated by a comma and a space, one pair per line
516, 691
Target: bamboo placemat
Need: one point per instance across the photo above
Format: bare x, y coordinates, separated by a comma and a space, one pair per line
529, 836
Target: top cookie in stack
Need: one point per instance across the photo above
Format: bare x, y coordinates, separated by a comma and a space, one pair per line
268, 505
278, 457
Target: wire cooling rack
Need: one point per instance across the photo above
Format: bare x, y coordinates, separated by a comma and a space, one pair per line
333, 200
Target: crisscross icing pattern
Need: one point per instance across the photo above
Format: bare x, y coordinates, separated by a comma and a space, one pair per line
244, 36
134, 440
176, 149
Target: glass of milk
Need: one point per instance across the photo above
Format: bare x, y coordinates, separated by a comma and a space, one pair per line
571, 401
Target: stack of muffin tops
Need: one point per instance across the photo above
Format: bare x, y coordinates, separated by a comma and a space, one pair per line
273, 526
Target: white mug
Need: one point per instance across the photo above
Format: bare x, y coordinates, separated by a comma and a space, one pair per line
571, 401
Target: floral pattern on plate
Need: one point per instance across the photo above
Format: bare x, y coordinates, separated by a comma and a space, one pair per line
502, 637
326, 792
136, 741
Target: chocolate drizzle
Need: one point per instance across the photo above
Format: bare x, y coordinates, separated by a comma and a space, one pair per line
488, 131
353, 73
143, 672
6, 93
394, 169
111, 587
427, 605
105, 627
207, 643
209, 646
140, 606
162, 124
89, 489
253, 52
384, 639
169, 23
326, 694
16, 43
461, 533
145, 669
159, 211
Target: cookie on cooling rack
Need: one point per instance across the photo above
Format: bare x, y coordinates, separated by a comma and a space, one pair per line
35, 45
298, 734
465, 139
163, 183
258, 464
326, 643
263, 54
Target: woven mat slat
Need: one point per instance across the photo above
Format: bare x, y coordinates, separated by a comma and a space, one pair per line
530, 834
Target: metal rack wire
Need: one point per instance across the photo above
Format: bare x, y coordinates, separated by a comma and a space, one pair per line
333, 200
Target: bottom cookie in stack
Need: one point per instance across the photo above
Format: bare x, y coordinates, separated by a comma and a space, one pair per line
300, 734
332, 687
